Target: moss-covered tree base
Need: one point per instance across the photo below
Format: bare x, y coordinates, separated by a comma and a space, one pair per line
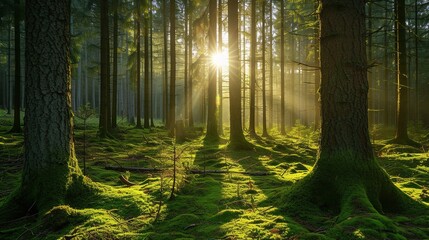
404, 141
353, 196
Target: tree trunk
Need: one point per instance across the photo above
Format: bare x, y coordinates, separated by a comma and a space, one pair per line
165, 55
264, 99
115, 65
236, 138
104, 69
271, 95
146, 123
190, 84
138, 67
316, 77
282, 69
219, 70
252, 130
212, 131
172, 103
402, 77
186, 66
50, 166
16, 128
346, 176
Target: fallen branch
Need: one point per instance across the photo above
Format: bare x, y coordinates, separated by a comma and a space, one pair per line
191, 171
197, 171
125, 181
133, 169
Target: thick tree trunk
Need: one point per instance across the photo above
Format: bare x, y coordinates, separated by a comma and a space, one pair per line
212, 131
346, 176
50, 165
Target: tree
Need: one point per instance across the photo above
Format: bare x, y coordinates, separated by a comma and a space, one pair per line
236, 136
165, 55
138, 63
252, 117
402, 77
190, 84
17, 88
282, 69
115, 65
212, 131
105, 120
50, 168
264, 99
346, 176
146, 123
219, 69
172, 102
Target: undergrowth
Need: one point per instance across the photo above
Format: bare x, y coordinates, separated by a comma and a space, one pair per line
243, 202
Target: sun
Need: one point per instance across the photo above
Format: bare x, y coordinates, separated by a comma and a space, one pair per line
220, 59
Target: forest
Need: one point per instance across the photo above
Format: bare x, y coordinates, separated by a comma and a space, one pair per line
214, 119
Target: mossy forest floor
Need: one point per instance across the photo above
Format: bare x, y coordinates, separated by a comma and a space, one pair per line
229, 205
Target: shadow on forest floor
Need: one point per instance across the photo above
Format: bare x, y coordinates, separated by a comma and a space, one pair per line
243, 202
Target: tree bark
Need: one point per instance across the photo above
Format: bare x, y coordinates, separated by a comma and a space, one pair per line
252, 130
172, 102
50, 166
264, 98
236, 136
16, 128
346, 176
165, 55
146, 123
138, 67
282, 69
115, 65
212, 131
104, 70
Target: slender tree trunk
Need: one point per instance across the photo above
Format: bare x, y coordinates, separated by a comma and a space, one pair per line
271, 95
146, 123
219, 70
416, 57
316, 76
115, 65
264, 99
402, 76
16, 128
190, 84
386, 68
152, 101
243, 5
104, 69
371, 102
165, 52
236, 131
282, 69
172, 105
212, 131
186, 56
252, 130
138, 67
9, 66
